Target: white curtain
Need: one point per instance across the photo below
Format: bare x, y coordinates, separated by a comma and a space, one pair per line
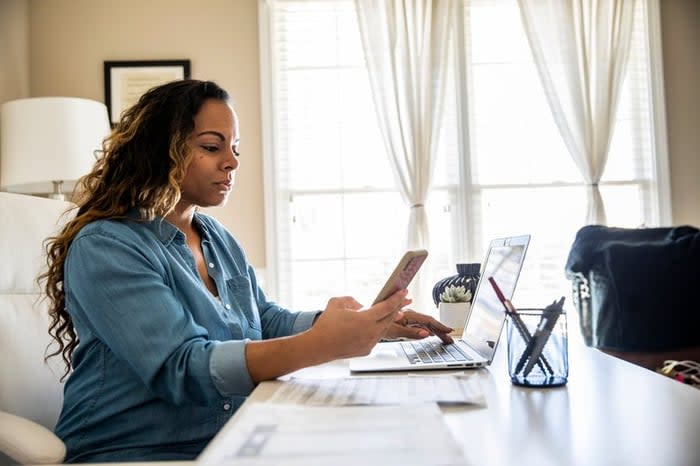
580, 48
406, 45
406, 49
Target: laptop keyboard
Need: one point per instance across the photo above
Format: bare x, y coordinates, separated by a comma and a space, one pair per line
432, 351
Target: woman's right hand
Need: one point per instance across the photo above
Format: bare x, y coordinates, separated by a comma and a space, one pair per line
345, 330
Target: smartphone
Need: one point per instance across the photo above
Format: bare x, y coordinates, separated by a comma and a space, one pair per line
402, 275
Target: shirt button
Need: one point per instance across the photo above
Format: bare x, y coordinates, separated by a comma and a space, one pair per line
228, 306
211, 265
227, 406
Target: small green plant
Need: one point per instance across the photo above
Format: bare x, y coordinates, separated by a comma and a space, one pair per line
456, 294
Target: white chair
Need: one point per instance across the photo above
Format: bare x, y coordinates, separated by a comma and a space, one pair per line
31, 393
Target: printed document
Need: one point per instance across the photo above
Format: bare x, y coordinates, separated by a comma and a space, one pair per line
349, 391
278, 434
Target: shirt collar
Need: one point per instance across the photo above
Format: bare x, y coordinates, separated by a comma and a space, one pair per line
165, 231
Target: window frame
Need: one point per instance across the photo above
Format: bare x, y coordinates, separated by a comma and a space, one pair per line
465, 188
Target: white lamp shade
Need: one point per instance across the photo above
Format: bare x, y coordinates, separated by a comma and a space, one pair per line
46, 139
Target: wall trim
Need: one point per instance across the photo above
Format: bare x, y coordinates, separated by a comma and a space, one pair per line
658, 113
267, 90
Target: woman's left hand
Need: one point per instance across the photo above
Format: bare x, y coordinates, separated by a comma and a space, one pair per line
415, 325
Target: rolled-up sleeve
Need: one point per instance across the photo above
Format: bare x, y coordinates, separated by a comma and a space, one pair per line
229, 369
304, 321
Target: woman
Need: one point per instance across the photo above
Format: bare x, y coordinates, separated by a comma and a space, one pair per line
154, 305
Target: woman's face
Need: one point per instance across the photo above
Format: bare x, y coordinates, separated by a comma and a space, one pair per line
214, 148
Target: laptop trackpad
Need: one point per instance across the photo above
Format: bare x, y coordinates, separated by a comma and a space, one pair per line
386, 352
384, 356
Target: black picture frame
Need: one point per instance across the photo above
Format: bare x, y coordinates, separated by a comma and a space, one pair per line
126, 81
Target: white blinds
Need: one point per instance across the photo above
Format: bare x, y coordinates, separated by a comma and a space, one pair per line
336, 218
337, 213
521, 177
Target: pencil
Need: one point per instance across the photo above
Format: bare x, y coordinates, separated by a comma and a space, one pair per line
506, 302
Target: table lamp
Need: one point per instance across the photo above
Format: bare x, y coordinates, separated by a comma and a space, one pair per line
48, 143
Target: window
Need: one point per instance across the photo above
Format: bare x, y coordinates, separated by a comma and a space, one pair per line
336, 223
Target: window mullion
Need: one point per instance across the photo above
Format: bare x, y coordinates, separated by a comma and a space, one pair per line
463, 212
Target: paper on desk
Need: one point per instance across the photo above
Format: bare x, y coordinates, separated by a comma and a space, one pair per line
380, 390
276, 434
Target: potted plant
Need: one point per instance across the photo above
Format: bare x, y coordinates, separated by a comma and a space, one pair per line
454, 306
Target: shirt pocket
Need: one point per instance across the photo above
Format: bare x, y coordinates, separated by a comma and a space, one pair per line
241, 294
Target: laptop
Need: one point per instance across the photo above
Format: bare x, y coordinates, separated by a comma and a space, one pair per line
477, 345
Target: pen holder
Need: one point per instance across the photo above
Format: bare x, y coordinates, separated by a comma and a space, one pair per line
530, 338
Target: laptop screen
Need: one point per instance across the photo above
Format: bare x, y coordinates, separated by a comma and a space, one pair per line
503, 262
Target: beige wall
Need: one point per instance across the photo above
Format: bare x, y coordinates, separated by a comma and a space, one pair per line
69, 39
680, 23
14, 50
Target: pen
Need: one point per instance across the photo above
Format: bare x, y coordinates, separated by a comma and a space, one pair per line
549, 317
520, 326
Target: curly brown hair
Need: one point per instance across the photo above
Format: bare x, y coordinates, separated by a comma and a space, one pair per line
141, 165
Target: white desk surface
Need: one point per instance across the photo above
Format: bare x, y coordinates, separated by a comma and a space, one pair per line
611, 412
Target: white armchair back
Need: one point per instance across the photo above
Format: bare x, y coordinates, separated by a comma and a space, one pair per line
29, 387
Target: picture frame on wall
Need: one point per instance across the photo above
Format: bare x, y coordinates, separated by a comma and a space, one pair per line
127, 81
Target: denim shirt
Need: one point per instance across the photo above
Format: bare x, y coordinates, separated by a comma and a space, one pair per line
161, 365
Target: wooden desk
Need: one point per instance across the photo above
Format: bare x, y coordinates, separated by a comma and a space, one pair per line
610, 413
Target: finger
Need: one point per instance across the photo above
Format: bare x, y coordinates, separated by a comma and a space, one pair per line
438, 326
445, 337
423, 319
413, 317
351, 303
346, 302
388, 307
414, 331
391, 318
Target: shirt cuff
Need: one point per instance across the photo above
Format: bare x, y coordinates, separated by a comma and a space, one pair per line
229, 370
304, 321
